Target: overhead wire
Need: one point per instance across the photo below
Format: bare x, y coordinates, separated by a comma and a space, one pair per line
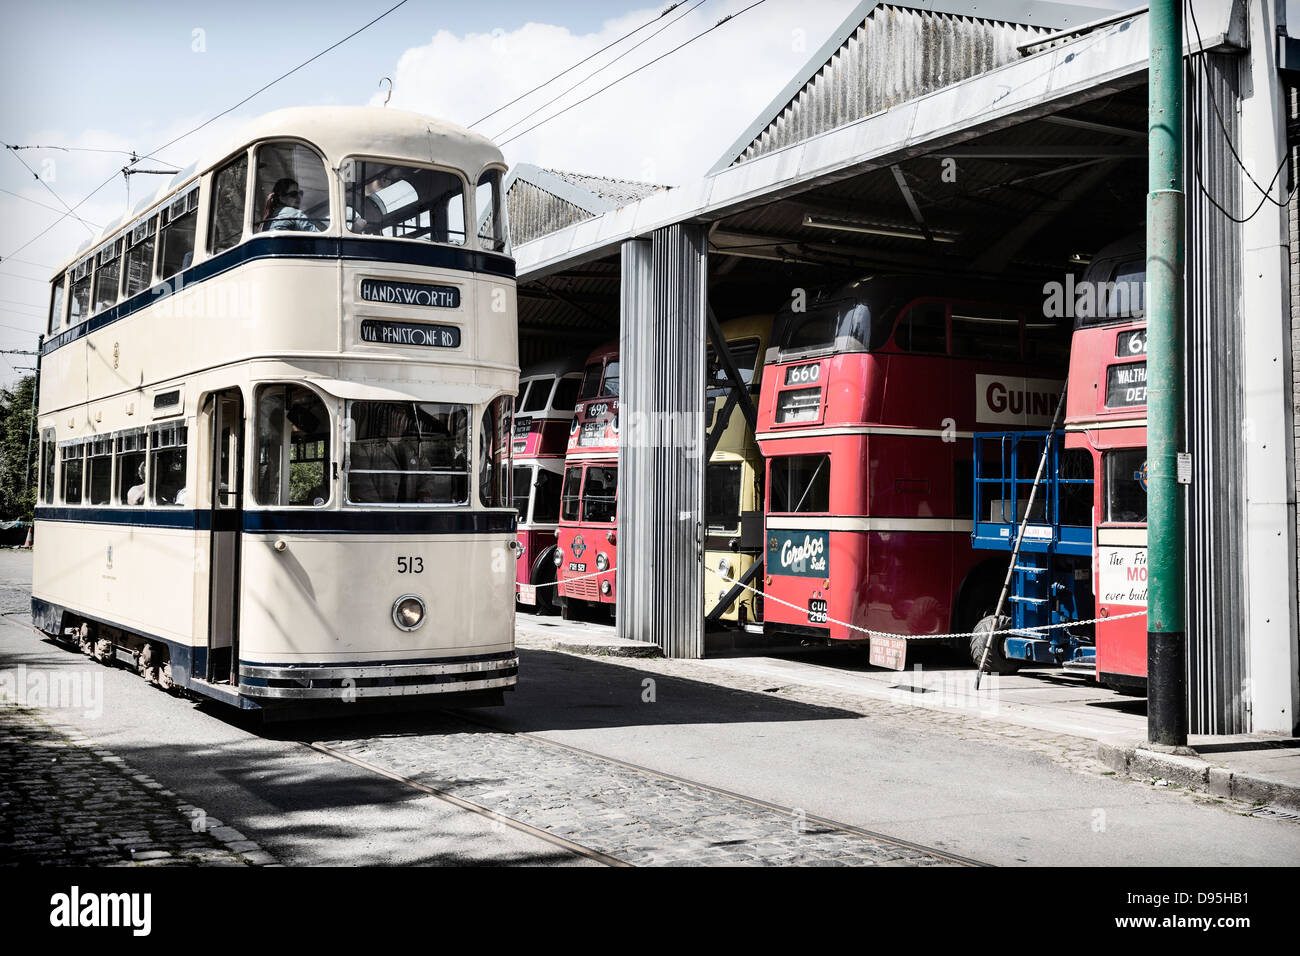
703, 33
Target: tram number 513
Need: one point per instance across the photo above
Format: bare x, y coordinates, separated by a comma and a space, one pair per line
410, 565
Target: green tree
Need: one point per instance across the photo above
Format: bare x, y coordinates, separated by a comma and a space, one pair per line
17, 448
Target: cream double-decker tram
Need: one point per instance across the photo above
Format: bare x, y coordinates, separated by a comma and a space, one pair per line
274, 422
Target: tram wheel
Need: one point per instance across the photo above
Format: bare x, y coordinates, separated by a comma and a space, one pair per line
997, 662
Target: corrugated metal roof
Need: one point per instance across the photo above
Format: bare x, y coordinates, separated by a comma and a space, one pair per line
885, 54
540, 201
618, 191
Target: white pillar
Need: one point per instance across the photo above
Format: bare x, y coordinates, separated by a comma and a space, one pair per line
1265, 328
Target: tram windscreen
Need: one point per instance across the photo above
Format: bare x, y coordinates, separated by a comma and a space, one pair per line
408, 453
404, 202
722, 496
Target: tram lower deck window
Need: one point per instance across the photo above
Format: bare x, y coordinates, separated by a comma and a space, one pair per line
72, 471
293, 447
801, 484
99, 471
167, 450
48, 451
404, 453
722, 496
130, 452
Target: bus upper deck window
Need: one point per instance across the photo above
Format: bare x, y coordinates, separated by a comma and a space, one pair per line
404, 202
591, 382
490, 210
292, 190
566, 393
842, 324
609, 385
923, 328
539, 390
985, 332
229, 196
293, 447
408, 453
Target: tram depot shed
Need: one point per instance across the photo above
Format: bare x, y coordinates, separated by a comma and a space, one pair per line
996, 138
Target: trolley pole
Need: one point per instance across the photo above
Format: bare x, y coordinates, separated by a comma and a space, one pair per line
1166, 562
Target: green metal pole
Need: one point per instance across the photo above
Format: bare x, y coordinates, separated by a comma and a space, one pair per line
1166, 575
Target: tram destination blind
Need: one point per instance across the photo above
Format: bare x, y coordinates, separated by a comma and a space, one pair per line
411, 293
385, 332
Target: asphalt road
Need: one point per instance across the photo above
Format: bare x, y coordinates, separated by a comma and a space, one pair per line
946, 789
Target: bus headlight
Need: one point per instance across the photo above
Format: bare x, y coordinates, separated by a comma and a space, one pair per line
519, 550
605, 588
558, 556
724, 569
408, 612
602, 562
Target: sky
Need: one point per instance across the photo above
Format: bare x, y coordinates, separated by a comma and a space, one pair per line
132, 75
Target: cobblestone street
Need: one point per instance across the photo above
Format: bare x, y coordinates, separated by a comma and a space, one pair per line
66, 802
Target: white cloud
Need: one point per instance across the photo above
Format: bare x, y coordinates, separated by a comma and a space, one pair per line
669, 123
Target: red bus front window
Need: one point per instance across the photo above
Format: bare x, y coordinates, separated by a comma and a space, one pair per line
571, 498
1126, 485
600, 496
801, 484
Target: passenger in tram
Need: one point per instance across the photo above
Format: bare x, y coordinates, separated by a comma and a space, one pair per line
282, 210
135, 494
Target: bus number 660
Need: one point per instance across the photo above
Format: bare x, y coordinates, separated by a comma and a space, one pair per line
411, 565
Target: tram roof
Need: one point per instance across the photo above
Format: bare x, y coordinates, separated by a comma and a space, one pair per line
338, 132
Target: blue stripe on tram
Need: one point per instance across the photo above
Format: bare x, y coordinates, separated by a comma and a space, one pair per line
296, 521
294, 247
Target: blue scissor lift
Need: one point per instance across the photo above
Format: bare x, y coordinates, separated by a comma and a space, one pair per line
1050, 584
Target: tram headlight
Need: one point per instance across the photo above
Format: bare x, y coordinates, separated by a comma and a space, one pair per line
724, 569
408, 612
602, 562
558, 556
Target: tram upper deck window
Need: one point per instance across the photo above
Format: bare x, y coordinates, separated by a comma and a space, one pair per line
140, 243
73, 463
1126, 485
167, 453
229, 196
99, 471
56, 305
494, 454
130, 449
179, 220
79, 307
48, 451
406, 453
404, 202
292, 190
489, 208
988, 332
801, 484
293, 447
108, 272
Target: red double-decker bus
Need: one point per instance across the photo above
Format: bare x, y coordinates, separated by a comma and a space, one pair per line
1106, 416
870, 395
543, 411
585, 556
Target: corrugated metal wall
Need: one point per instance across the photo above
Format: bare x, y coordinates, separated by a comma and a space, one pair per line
896, 55
1216, 626
533, 212
661, 472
